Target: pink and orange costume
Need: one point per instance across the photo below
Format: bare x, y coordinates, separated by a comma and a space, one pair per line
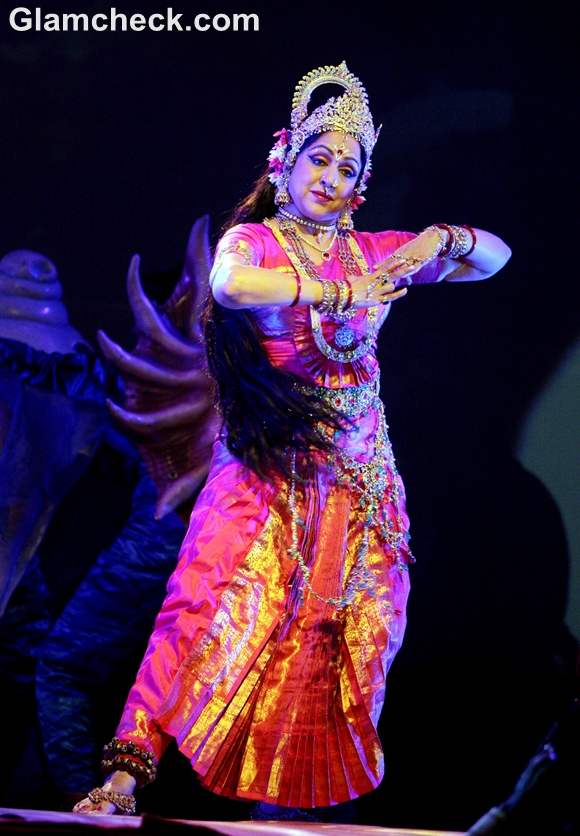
271, 693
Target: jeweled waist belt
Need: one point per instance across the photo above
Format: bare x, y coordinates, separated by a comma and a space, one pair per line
350, 400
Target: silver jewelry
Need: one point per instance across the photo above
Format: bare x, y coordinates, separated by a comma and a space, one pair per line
461, 242
442, 239
305, 221
285, 234
326, 250
375, 481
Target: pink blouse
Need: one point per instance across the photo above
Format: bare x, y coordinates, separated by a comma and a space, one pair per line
286, 333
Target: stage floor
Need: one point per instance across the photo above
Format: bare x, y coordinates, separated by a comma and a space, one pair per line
46, 821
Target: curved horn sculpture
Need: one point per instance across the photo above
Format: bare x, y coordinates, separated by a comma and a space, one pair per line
169, 395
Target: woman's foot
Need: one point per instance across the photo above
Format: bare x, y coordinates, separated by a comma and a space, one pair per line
106, 801
91, 808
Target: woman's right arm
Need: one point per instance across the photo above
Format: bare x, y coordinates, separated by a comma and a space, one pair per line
236, 284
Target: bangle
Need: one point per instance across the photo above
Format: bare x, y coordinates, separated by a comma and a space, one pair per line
471, 231
326, 303
349, 299
298, 289
446, 249
342, 296
458, 243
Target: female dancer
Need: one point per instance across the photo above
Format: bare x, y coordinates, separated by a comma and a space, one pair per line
268, 659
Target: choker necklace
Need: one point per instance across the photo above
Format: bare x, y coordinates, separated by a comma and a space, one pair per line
307, 223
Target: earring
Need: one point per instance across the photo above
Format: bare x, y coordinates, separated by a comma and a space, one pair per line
281, 196
344, 222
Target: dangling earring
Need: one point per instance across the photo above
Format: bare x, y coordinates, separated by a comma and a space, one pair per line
344, 222
281, 196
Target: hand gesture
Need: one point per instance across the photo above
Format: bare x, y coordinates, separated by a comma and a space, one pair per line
411, 257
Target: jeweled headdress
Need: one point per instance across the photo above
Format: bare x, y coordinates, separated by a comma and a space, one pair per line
348, 113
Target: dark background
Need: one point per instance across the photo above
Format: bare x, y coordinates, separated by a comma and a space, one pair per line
115, 143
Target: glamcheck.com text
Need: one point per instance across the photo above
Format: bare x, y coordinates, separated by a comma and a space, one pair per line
23, 19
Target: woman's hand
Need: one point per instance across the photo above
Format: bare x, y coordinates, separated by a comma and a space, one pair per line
374, 289
384, 284
411, 257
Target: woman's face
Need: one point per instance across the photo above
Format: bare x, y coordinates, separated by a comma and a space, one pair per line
324, 176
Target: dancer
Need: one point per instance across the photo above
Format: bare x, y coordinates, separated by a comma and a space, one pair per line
268, 660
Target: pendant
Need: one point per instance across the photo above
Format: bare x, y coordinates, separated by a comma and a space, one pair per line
344, 336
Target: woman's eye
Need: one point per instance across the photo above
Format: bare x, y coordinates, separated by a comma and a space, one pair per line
348, 172
318, 160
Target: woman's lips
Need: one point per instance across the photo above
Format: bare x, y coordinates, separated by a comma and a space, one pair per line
322, 197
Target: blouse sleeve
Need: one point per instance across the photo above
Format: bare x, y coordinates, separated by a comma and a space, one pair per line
244, 240
389, 241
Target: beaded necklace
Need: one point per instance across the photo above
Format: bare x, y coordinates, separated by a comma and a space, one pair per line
309, 224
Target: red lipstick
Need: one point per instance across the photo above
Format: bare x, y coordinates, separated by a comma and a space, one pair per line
321, 196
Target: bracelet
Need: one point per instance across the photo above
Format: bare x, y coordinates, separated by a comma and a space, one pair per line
446, 249
342, 296
329, 297
122, 801
324, 303
471, 231
349, 299
458, 244
336, 290
443, 242
298, 289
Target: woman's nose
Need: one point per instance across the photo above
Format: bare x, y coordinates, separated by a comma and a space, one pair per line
330, 178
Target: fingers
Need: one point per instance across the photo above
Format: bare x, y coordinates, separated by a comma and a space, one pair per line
391, 297
384, 283
396, 268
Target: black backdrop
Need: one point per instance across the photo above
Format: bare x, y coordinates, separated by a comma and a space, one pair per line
114, 143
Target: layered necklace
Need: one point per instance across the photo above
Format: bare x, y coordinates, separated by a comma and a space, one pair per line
350, 256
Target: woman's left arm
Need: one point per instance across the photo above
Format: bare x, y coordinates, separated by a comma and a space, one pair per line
488, 256
413, 261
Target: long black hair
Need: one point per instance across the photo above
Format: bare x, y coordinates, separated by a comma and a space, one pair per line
264, 413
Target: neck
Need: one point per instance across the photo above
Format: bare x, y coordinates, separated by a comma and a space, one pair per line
315, 226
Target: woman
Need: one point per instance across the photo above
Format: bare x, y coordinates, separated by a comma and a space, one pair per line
268, 659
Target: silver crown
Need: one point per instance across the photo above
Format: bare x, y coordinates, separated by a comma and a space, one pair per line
348, 113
